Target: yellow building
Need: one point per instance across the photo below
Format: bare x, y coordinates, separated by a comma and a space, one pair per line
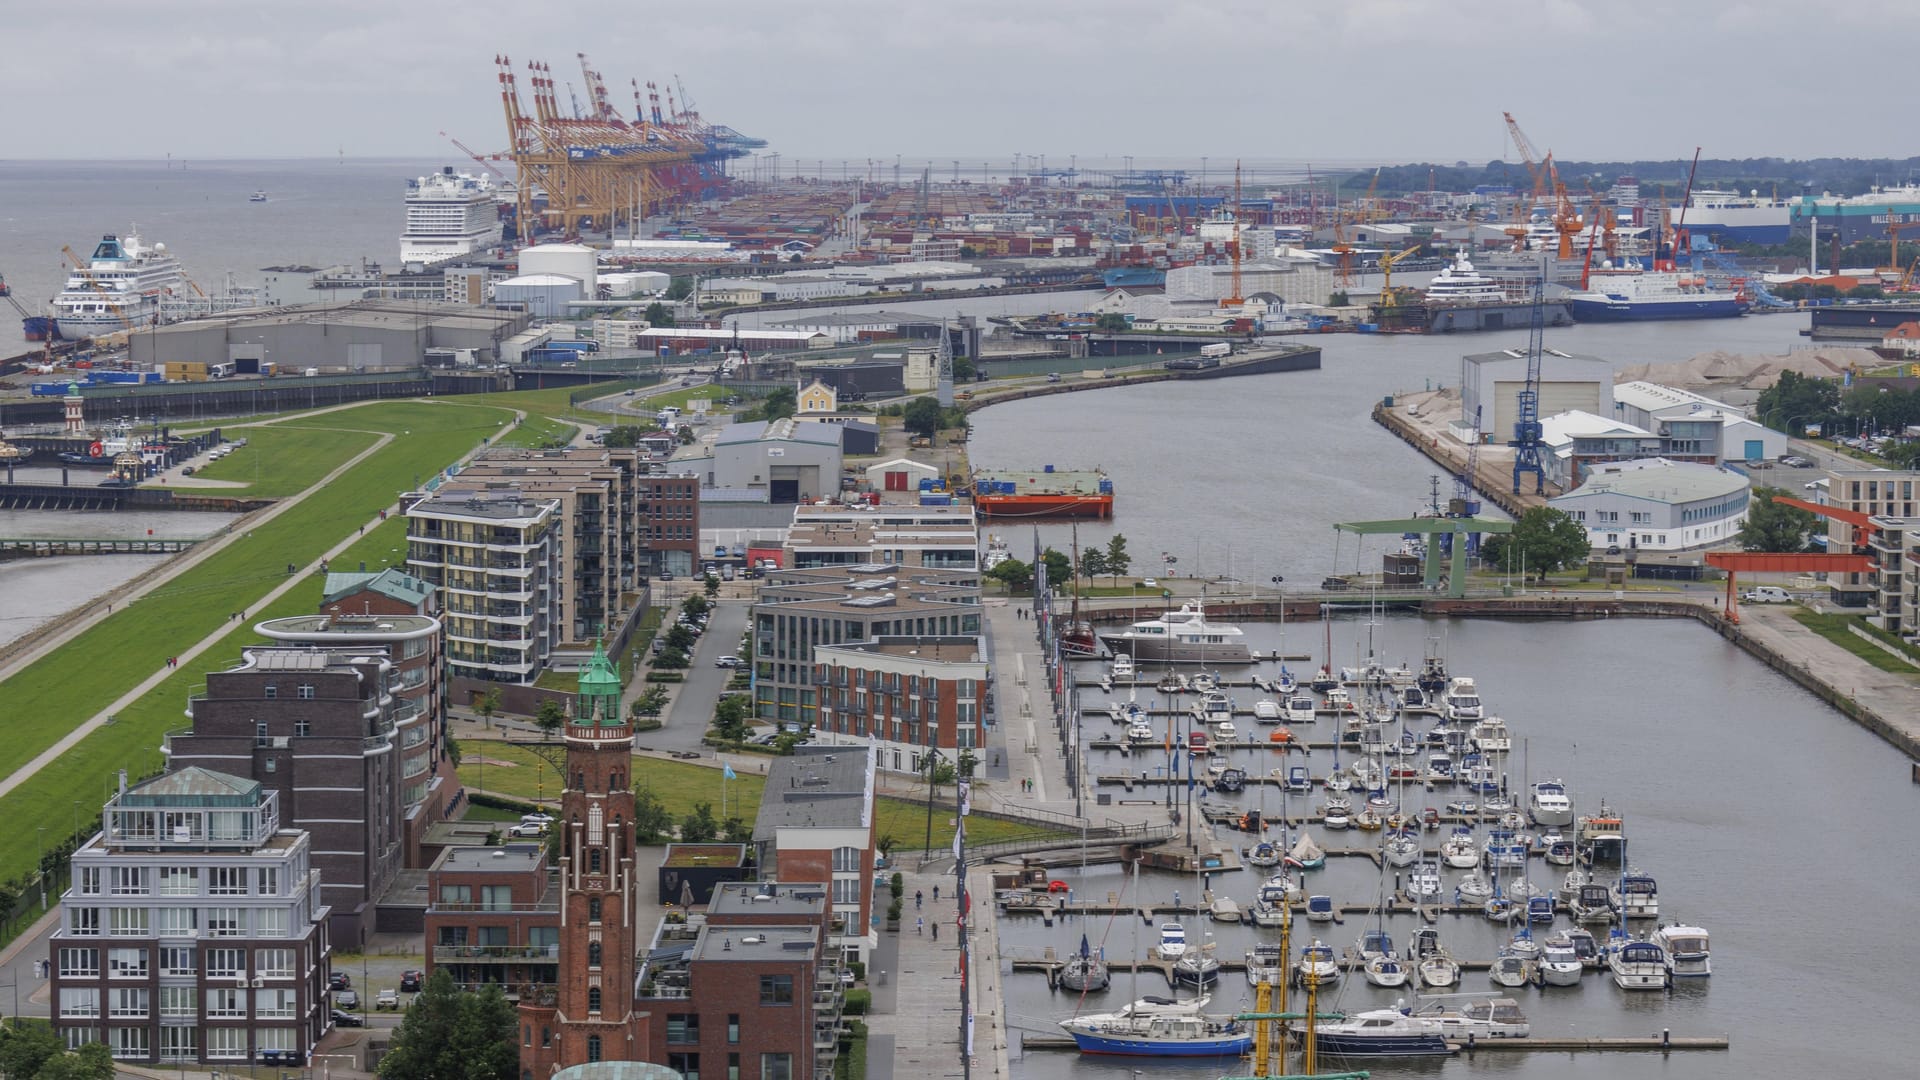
818, 397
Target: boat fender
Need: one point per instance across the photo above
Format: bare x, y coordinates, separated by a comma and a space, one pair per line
94, 450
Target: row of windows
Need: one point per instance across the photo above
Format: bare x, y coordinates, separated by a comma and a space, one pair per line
177, 922
176, 881
133, 963
179, 1043
178, 1003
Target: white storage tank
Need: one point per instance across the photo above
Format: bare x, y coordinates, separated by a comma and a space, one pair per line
576, 261
546, 296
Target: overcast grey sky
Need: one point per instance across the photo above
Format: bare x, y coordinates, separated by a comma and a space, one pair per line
1340, 80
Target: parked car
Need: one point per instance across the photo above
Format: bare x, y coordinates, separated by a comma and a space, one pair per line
339, 980
536, 818
347, 1019
1767, 594
410, 981
727, 661
346, 999
388, 998
527, 831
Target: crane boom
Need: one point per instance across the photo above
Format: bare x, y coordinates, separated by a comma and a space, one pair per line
1528, 155
1526, 426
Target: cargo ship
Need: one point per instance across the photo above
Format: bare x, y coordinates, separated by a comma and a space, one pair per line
1860, 217
1730, 217
1049, 493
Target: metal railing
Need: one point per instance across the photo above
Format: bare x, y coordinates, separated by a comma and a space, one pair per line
445, 953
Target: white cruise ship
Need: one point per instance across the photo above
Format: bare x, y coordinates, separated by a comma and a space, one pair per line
120, 289
449, 214
1460, 283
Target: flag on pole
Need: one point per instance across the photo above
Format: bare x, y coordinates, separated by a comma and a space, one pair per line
726, 772
966, 798
960, 830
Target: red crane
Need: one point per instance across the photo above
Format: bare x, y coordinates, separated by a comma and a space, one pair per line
1854, 562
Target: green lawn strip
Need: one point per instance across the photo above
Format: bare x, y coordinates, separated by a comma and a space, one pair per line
285, 459
1834, 629
519, 772
382, 545
84, 676
538, 431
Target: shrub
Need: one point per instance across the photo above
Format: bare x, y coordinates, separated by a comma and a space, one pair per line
898, 884
859, 1002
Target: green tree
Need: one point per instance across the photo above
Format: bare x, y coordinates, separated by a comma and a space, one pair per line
681, 638
736, 831
681, 288
922, 417
1111, 323
1775, 526
942, 772
453, 751
650, 703
711, 585
27, 1047
93, 1061
1014, 574
1059, 568
1118, 561
1093, 563
1798, 400
624, 435
696, 604
780, 402
550, 717
686, 436
1339, 299
699, 827
447, 1033
487, 704
1904, 456
1543, 540
670, 659
963, 370
652, 821
730, 717
658, 315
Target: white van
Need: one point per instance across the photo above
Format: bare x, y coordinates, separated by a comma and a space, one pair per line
1767, 594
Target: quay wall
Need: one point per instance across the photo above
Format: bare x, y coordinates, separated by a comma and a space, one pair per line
1492, 479
1291, 358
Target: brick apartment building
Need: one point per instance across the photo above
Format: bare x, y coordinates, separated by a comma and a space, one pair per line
493, 916
816, 824
667, 508
194, 931
317, 728
903, 695
751, 987
395, 613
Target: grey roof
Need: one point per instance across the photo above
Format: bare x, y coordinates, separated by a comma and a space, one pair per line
1669, 482
194, 786
788, 430
865, 318
767, 898
817, 787
757, 943
501, 857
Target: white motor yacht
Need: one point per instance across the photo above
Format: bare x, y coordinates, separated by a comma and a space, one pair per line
1490, 736
1638, 965
1299, 708
1639, 896
1316, 960
1549, 804
1462, 701
1559, 963
1423, 883
1688, 956
1266, 964
1267, 711
1173, 941
1180, 637
1459, 851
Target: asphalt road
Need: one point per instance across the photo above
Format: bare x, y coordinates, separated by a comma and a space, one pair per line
692, 710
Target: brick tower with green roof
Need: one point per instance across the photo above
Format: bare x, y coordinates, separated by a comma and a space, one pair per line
590, 1012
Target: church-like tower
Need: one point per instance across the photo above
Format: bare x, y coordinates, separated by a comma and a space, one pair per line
591, 1015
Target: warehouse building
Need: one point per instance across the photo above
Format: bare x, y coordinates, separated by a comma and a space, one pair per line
363, 335
793, 461
1490, 385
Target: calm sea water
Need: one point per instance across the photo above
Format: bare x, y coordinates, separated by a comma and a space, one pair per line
319, 213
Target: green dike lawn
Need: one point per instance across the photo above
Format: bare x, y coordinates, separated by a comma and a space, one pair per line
50, 697
285, 459
519, 772
1834, 629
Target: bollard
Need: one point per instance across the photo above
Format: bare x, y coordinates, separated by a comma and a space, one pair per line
1666, 1039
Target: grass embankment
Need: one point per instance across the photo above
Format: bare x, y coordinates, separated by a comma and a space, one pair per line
50, 697
518, 772
1834, 629
285, 459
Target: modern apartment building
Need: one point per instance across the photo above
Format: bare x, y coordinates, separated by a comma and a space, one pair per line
933, 537
902, 695
842, 604
1875, 493
318, 729
194, 931
496, 556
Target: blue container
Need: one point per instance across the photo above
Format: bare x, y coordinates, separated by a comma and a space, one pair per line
926, 483
1106, 487
1049, 468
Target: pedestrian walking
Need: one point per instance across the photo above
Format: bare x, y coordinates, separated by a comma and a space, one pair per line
917, 897
936, 929
919, 925
936, 894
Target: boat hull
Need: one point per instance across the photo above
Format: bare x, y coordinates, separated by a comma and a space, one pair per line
1043, 506
1381, 1046
1647, 311
1142, 1046
1149, 650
